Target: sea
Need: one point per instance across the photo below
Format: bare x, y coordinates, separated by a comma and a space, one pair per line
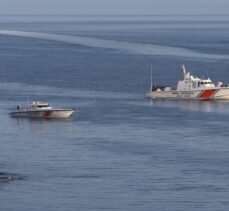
120, 150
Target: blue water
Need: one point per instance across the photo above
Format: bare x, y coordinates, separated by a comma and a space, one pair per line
120, 150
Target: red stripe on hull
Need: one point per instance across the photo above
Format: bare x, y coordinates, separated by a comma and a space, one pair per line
47, 114
207, 94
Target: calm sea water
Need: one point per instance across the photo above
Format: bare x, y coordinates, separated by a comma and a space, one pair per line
120, 150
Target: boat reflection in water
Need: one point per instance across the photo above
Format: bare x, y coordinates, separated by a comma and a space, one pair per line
219, 106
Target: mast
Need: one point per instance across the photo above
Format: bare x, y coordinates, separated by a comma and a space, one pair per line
183, 69
151, 80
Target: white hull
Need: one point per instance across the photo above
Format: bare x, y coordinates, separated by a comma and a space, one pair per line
217, 93
45, 114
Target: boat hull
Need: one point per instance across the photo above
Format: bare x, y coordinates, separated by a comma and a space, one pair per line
45, 114
221, 93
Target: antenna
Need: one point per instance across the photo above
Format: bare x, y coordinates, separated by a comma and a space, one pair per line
208, 74
151, 79
183, 68
27, 100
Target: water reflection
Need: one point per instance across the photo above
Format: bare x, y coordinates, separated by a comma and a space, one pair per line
220, 106
41, 126
206, 106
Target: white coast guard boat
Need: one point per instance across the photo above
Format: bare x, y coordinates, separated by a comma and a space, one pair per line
191, 88
41, 110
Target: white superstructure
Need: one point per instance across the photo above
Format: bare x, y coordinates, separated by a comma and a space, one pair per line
41, 110
191, 88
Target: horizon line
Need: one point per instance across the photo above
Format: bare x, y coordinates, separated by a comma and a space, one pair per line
105, 15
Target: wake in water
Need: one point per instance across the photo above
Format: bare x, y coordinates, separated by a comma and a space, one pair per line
36, 90
127, 47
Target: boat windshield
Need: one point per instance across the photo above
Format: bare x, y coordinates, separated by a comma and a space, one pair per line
42, 106
206, 83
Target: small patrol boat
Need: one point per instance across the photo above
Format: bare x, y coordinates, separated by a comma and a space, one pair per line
191, 87
41, 110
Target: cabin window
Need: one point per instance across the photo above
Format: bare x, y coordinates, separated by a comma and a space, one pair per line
42, 106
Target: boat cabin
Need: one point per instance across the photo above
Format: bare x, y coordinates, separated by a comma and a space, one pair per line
39, 105
190, 82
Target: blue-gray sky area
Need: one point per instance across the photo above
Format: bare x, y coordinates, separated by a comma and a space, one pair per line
114, 7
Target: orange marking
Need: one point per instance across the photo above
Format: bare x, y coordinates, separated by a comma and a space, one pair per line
207, 94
